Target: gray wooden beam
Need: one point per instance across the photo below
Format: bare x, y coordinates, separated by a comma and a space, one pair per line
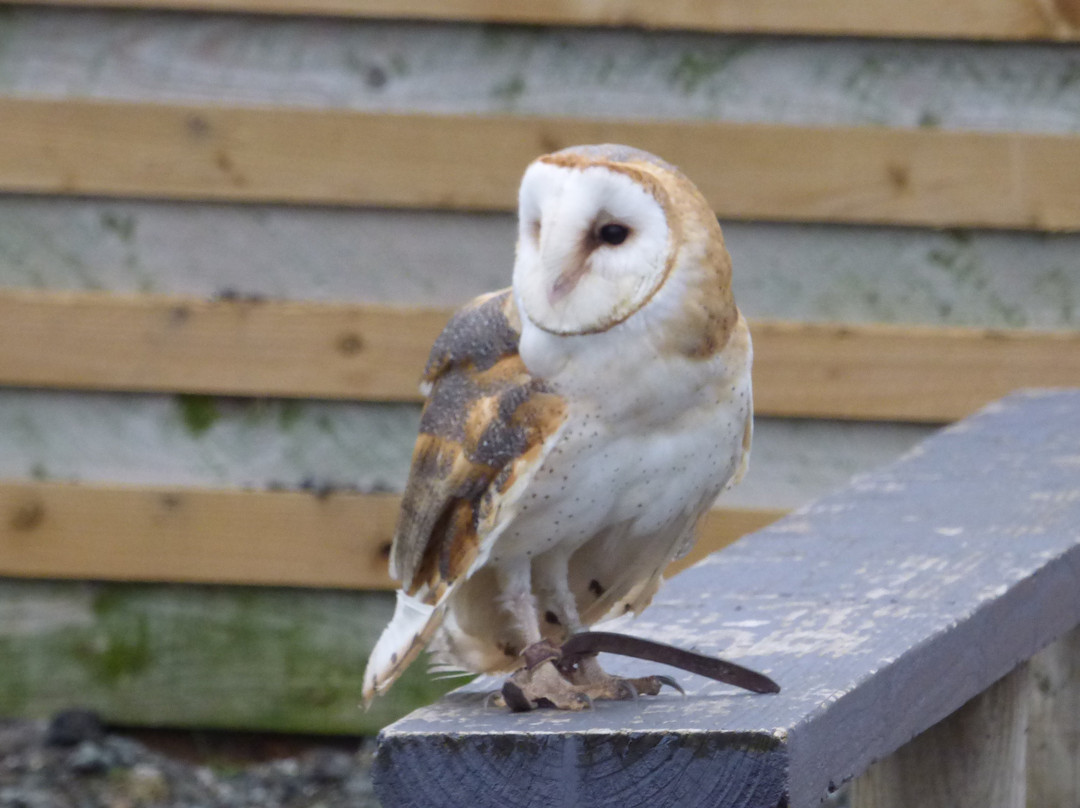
880, 610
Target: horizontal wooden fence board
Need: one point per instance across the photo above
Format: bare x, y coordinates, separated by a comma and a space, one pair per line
747, 171
988, 19
243, 348
149, 343
902, 373
56, 530
193, 535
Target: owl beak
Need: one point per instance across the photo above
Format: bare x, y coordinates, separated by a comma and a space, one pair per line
574, 263
566, 282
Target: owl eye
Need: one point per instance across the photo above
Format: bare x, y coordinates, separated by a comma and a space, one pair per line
614, 233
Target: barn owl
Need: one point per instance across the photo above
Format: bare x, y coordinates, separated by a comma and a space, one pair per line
577, 426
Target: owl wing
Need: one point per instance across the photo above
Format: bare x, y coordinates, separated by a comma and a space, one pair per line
484, 414
484, 429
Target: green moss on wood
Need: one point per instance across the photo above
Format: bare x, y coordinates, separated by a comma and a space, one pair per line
289, 414
510, 90
122, 224
198, 413
199, 656
696, 67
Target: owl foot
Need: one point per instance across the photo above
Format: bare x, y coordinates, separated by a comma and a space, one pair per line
570, 678
546, 681
542, 686
597, 683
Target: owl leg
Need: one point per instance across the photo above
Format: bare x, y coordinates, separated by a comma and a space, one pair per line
538, 681
552, 583
517, 599
557, 603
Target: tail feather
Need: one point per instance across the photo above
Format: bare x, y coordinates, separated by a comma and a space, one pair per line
412, 627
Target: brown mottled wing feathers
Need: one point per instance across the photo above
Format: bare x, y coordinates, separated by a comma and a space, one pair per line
483, 412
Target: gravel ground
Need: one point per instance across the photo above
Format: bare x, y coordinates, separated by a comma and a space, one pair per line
74, 762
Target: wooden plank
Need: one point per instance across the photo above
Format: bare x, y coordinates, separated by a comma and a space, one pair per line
282, 660
902, 373
988, 19
1054, 727
352, 351
880, 610
57, 530
277, 538
863, 175
247, 348
973, 758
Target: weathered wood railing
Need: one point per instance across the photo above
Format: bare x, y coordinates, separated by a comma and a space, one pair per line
887, 612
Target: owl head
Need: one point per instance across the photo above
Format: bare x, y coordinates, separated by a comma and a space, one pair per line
601, 229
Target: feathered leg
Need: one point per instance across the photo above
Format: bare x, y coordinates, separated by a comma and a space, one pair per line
544, 680
570, 676
539, 679
517, 599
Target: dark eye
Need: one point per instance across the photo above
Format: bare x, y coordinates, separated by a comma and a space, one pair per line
614, 233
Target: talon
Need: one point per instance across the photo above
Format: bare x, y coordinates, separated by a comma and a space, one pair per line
494, 700
625, 685
515, 698
670, 682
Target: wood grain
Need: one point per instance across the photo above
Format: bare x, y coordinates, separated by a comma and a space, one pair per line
973, 758
1053, 762
784, 173
148, 343
902, 373
191, 535
247, 348
987, 19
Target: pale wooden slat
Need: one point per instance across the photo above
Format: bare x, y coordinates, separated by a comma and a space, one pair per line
975, 756
254, 348
56, 530
902, 373
193, 535
975, 19
863, 175
319, 350
1053, 737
